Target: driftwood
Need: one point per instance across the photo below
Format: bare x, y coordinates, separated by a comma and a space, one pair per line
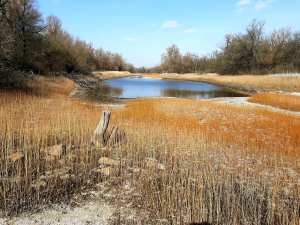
98, 137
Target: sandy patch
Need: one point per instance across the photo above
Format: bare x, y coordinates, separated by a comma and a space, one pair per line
243, 101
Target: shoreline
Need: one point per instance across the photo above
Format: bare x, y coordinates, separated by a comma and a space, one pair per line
80, 93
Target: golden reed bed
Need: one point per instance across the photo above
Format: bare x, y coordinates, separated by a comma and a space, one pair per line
223, 164
264, 83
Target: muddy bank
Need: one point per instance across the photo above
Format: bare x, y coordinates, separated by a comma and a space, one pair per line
88, 85
92, 96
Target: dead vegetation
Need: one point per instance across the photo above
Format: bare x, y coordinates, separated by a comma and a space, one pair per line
182, 160
288, 102
111, 74
248, 83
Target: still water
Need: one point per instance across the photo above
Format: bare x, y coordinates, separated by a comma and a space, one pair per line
130, 87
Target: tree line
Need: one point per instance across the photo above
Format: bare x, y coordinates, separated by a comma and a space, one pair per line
30, 44
251, 52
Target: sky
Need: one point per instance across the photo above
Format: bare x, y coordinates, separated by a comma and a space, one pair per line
141, 30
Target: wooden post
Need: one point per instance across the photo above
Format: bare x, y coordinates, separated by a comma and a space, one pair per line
98, 135
112, 137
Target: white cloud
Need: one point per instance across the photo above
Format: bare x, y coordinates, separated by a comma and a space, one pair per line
240, 10
133, 39
263, 4
190, 31
244, 2
170, 24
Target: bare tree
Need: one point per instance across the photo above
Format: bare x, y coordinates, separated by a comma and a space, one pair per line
21, 25
171, 60
23, 19
278, 40
254, 38
294, 46
242, 52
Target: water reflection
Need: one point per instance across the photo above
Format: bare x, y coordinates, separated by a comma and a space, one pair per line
198, 94
103, 93
110, 91
138, 87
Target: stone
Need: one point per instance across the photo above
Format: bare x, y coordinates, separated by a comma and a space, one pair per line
16, 156
108, 161
107, 171
57, 150
39, 183
156, 165
65, 177
136, 170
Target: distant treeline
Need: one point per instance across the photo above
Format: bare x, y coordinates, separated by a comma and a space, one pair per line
31, 45
251, 52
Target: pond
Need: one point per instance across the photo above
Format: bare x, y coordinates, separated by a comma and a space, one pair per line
139, 87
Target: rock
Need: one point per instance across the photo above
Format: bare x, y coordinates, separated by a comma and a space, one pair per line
108, 161
58, 150
62, 161
16, 156
154, 164
58, 172
136, 170
108, 171
139, 170
39, 183
65, 177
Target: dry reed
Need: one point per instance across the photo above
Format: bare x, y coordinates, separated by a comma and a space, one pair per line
267, 83
288, 102
221, 164
111, 74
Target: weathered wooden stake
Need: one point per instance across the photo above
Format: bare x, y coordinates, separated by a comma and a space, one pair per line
98, 135
112, 137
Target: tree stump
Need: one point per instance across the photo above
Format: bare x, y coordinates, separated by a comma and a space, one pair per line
112, 137
98, 136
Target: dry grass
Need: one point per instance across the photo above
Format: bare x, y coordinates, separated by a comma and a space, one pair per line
267, 83
223, 164
287, 102
217, 158
31, 122
111, 74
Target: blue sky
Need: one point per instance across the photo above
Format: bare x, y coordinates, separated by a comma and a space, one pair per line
141, 30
